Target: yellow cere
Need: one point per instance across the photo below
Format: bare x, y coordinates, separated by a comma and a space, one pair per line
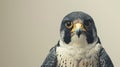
77, 26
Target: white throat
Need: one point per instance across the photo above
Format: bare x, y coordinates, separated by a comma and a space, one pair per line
77, 51
76, 41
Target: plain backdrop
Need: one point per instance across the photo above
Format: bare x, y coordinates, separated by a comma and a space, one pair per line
29, 28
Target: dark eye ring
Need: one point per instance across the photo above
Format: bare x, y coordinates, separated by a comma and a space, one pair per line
68, 24
87, 23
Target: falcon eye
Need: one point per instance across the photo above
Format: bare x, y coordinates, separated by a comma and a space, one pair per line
87, 23
68, 24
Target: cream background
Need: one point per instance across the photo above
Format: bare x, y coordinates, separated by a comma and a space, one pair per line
29, 28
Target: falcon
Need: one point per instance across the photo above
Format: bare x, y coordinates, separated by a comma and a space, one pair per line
79, 44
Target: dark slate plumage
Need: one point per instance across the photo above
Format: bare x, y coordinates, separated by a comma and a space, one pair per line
51, 59
104, 59
91, 54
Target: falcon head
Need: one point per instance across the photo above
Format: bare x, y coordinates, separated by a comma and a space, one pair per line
78, 27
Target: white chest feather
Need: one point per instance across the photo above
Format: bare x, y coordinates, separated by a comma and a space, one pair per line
75, 56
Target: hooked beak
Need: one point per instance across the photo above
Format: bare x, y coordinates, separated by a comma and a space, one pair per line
78, 28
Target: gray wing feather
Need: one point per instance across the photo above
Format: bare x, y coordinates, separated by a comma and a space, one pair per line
51, 59
105, 60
